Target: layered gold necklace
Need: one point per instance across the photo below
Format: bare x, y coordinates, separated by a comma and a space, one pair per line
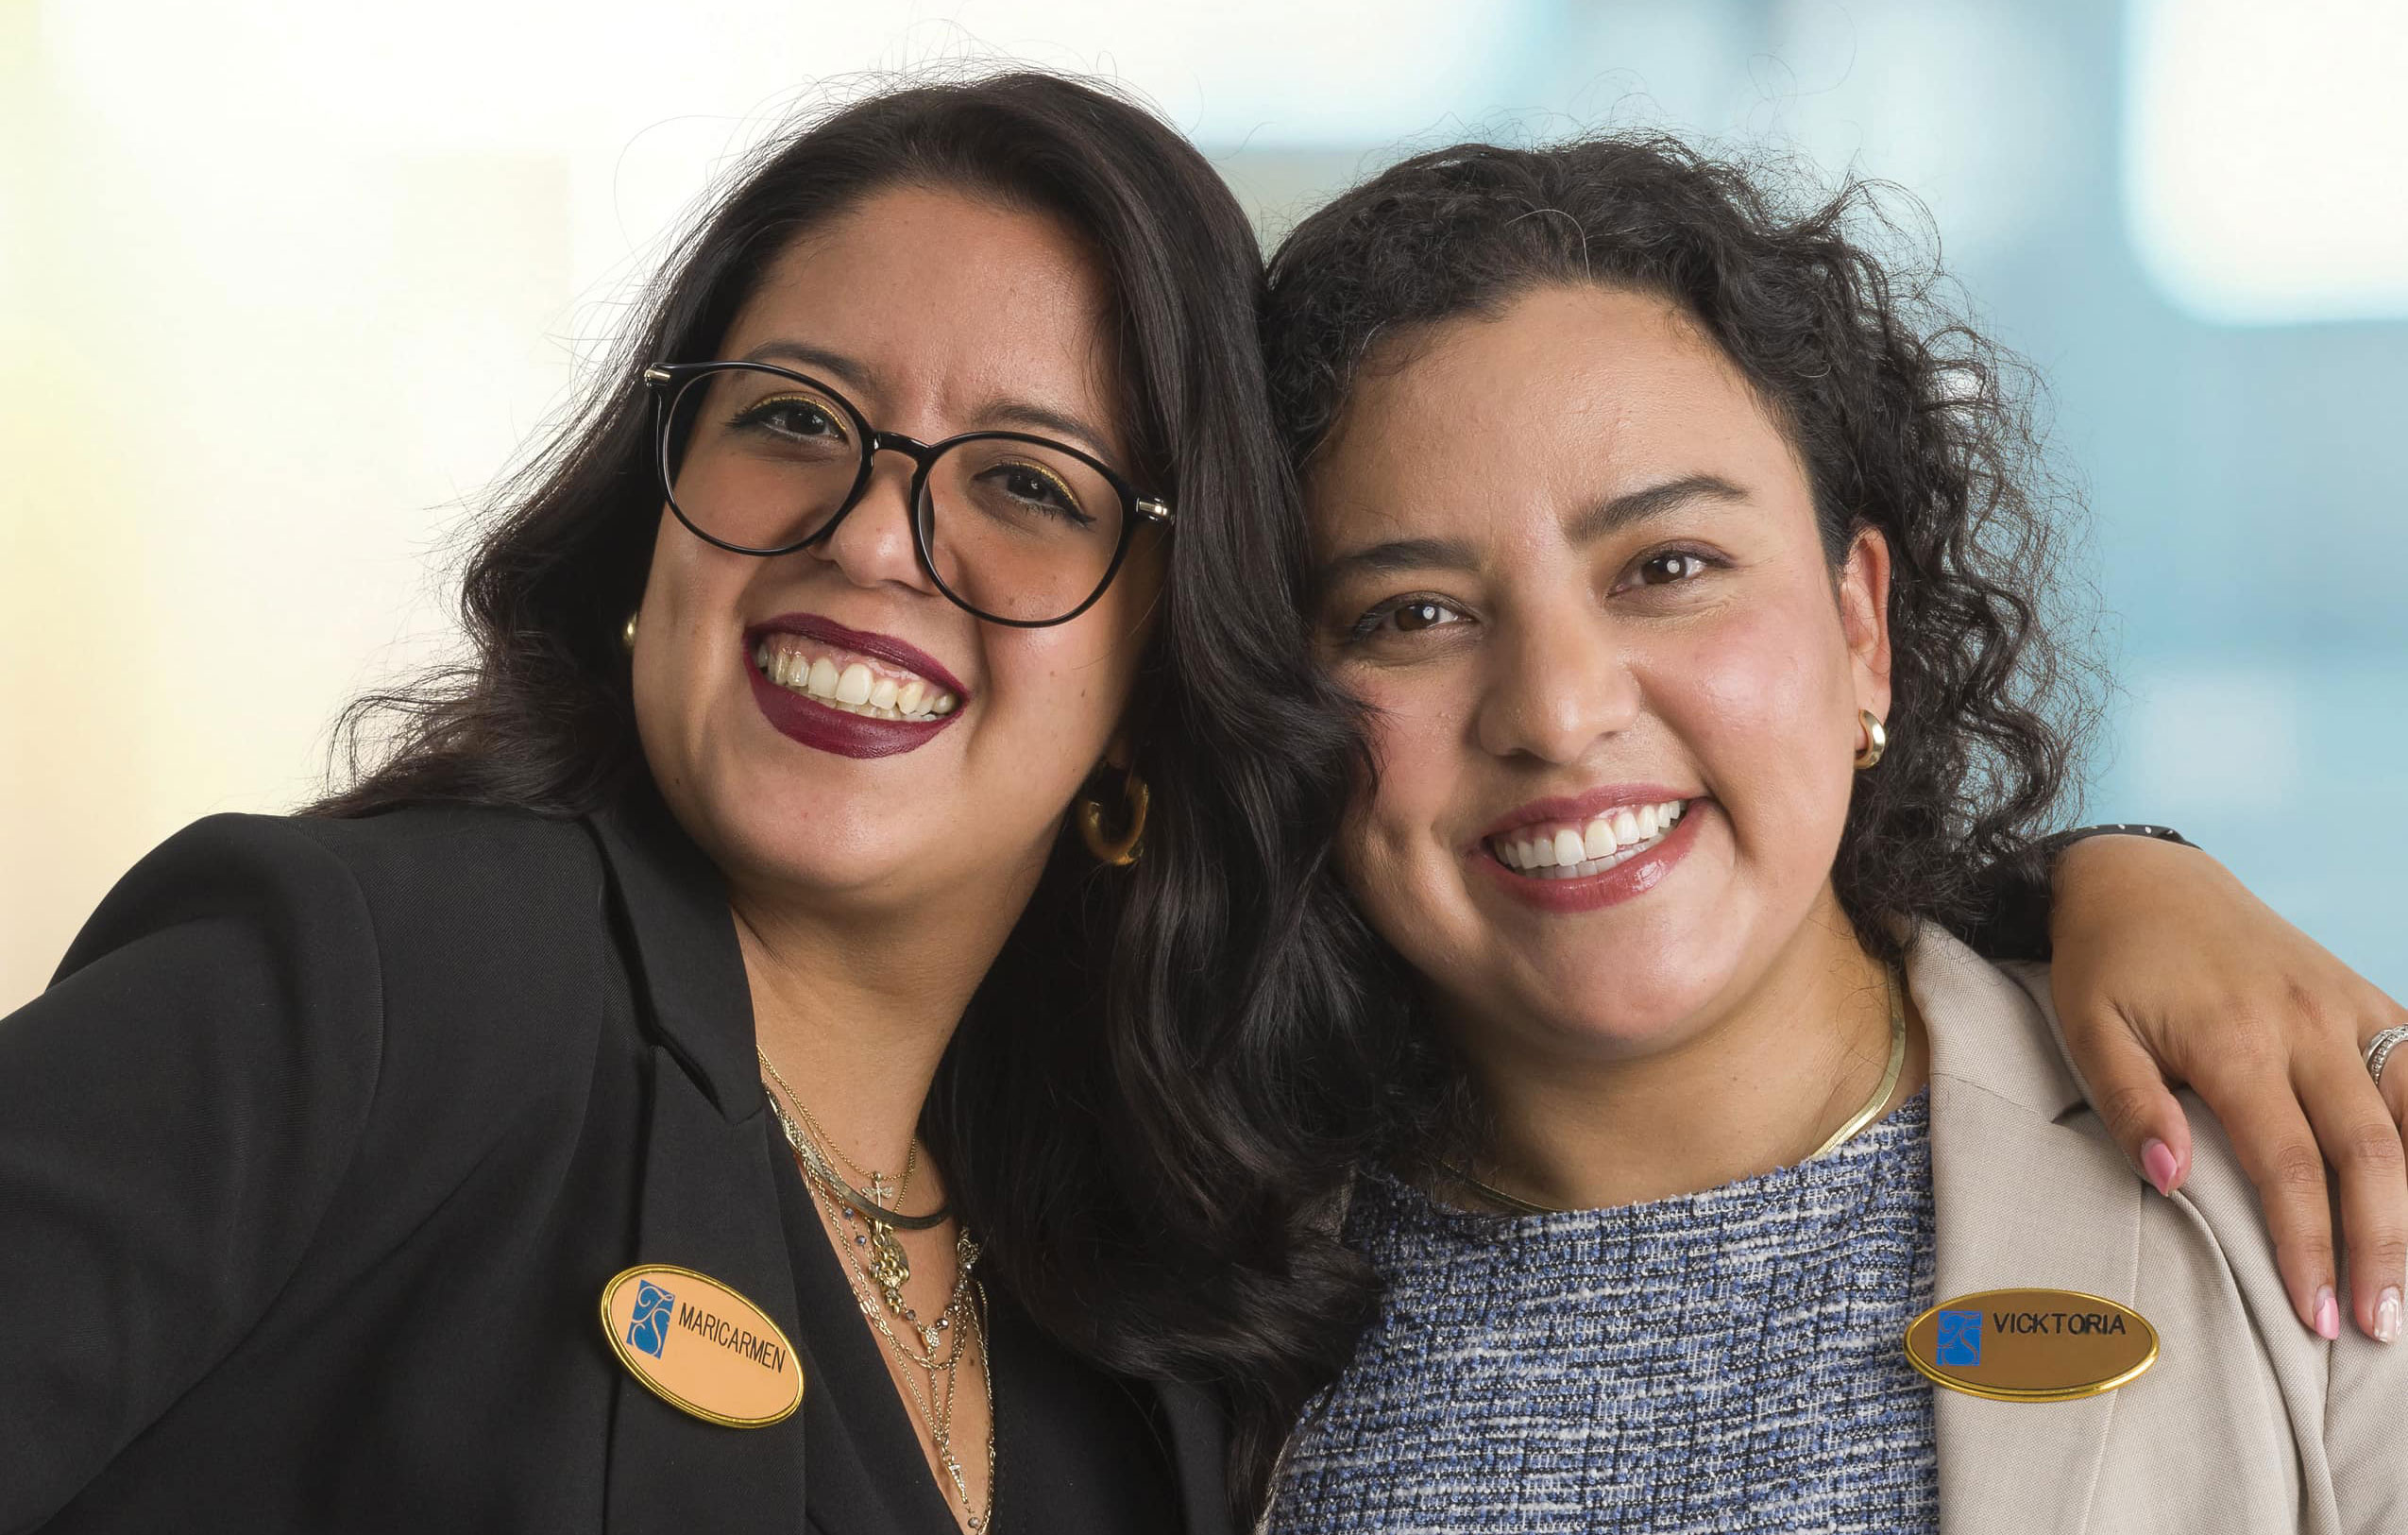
876, 1268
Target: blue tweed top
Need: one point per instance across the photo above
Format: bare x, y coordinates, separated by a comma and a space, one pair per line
1727, 1361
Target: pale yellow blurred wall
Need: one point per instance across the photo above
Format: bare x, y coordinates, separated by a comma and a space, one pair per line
286, 286
253, 378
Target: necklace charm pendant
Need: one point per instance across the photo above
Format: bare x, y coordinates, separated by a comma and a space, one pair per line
889, 1266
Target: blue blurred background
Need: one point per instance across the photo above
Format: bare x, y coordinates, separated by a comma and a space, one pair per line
2191, 216
403, 237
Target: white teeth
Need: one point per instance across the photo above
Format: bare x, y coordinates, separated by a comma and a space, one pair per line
851, 686
1610, 839
1597, 839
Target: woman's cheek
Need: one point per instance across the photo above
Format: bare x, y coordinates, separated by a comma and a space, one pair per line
1415, 738
1762, 697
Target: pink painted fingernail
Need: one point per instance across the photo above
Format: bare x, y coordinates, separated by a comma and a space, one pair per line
2328, 1315
2387, 1315
2156, 1161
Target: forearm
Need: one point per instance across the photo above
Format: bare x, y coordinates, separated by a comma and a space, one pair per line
2017, 896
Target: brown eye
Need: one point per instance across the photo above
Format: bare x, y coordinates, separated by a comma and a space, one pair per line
1405, 615
1670, 567
798, 418
1038, 489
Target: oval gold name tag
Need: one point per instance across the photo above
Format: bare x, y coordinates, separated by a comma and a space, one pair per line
699, 1346
2031, 1345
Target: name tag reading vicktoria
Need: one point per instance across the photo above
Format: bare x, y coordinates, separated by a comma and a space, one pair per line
2031, 1345
699, 1346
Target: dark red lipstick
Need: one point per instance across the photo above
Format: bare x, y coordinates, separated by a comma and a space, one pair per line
824, 729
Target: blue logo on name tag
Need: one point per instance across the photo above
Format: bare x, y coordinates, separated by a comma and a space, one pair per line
649, 1330
1959, 1337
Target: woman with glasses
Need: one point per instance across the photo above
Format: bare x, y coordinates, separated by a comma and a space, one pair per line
671, 1092
772, 1043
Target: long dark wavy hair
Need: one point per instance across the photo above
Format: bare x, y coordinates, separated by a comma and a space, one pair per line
1111, 1114
1906, 418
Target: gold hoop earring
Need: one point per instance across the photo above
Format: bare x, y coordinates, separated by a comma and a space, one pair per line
1119, 852
1876, 740
627, 635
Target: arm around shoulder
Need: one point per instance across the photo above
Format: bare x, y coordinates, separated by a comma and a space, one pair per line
176, 1112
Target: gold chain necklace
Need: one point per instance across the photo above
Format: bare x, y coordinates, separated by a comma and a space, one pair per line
875, 1180
889, 1266
1855, 1123
964, 1316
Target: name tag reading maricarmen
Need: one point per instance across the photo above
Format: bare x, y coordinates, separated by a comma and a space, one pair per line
2031, 1345
699, 1346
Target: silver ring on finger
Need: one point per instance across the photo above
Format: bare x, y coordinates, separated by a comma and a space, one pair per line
2378, 1050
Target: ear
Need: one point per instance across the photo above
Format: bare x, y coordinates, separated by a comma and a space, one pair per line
1864, 618
1118, 754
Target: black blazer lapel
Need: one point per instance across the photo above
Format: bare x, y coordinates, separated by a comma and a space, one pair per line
707, 1204
1199, 1457
708, 1200
691, 994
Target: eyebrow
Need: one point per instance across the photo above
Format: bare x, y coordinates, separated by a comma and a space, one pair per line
1607, 516
816, 359
1025, 415
1003, 413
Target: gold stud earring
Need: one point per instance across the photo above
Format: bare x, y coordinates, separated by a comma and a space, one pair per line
1876, 740
627, 635
1118, 852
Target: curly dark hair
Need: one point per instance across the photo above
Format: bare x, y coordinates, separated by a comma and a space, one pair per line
1906, 418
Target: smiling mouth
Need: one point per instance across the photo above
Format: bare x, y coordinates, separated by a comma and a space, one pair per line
843, 680
1576, 849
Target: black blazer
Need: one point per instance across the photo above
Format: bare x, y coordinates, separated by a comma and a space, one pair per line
314, 1158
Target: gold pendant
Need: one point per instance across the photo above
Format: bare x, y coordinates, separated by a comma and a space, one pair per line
699, 1346
890, 1267
2031, 1345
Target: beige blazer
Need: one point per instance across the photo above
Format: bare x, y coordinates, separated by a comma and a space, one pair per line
2247, 1422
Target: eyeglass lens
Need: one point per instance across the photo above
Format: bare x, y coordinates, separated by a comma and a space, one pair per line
1016, 529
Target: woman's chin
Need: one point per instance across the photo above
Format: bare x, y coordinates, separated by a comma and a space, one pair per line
803, 844
1633, 1027
1627, 1005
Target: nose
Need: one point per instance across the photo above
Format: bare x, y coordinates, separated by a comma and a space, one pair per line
1557, 683
872, 543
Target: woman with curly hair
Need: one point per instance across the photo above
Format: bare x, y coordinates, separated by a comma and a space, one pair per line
1695, 582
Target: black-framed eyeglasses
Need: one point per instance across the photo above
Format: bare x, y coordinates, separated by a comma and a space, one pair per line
1019, 530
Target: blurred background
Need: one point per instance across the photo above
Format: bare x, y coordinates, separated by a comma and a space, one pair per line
284, 285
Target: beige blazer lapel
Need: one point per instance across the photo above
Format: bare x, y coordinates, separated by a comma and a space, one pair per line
2020, 1200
